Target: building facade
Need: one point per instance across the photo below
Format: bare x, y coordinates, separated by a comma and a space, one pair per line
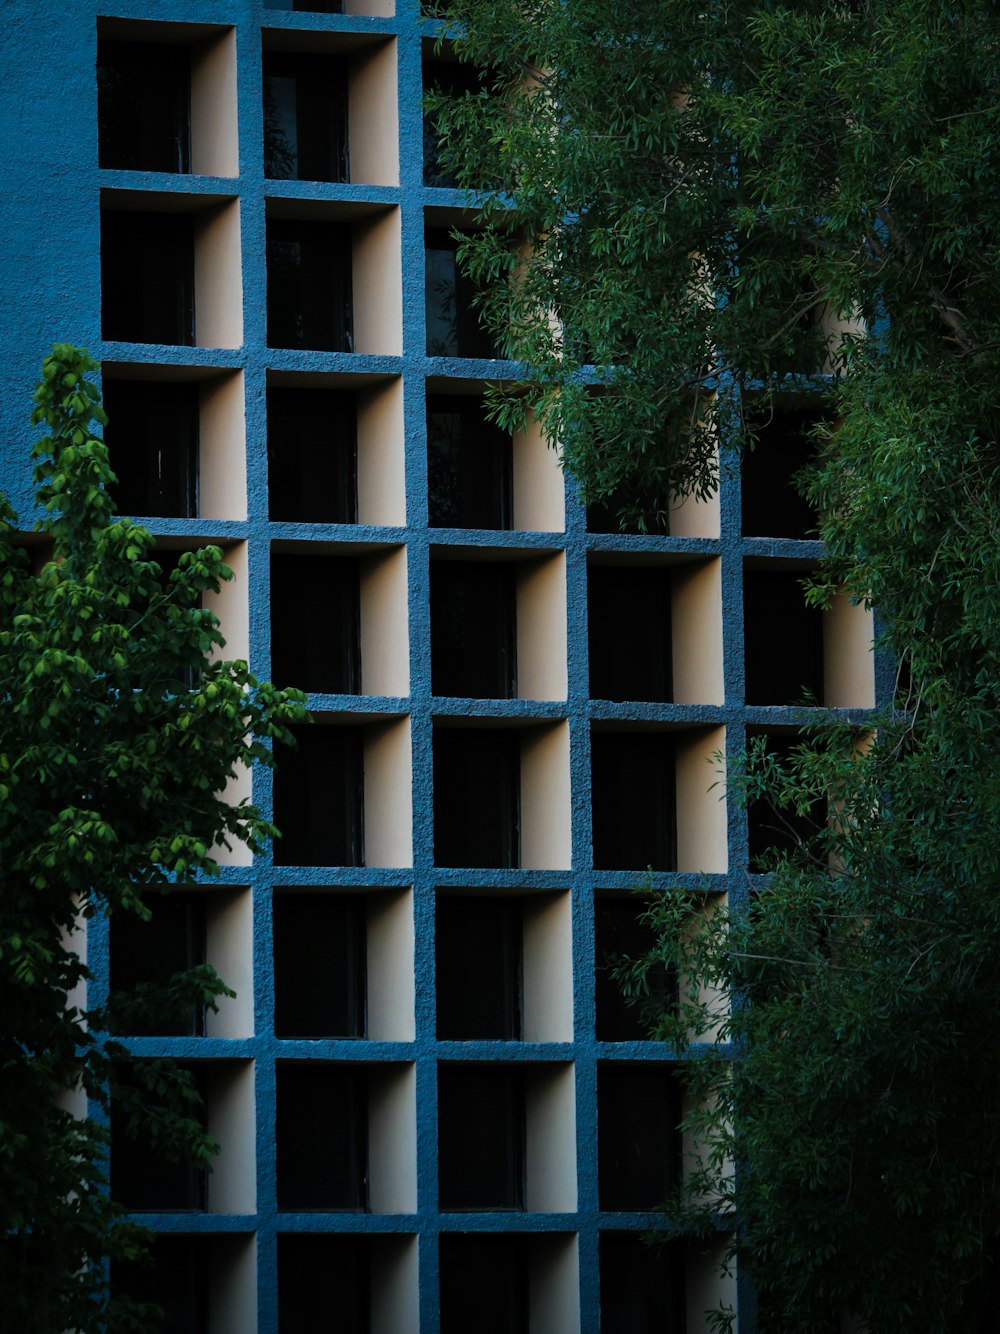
435, 1112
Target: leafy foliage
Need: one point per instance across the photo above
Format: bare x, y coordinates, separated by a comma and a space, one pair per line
721, 204
119, 730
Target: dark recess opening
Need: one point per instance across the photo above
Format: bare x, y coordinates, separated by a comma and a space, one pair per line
323, 593
772, 507
319, 965
143, 1179
176, 1280
783, 639
321, 1138
480, 1138
632, 776
317, 1272
476, 797
305, 116
484, 1284
147, 277
144, 106
453, 328
774, 829
152, 440
478, 965
619, 933
469, 465
172, 941
629, 633
453, 78
638, 1143
641, 507
642, 1285
307, 6
319, 798
309, 292
312, 455
473, 619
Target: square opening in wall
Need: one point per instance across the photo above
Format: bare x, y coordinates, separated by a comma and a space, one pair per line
620, 934
316, 1272
469, 465
319, 798
453, 323
144, 106
638, 1140
478, 962
147, 277
309, 285
633, 800
783, 446
322, 593
321, 1138
312, 455
630, 509
782, 638
484, 1284
774, 829
476, 797
173, 940
629, 632
473, 630
305, 116
642, 1285
319, 965
480, 1138
177, 1280
152, 440
143, 1178
455, 79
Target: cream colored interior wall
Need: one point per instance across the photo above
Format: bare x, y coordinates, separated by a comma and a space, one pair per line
848, 660
701, 815
550, 1141
392, 1140
214, 134
74, 940
373, 119
232, 1183
539, 497
232, 1281
690, 517
381, 455
707, 1287
385, 652
378, 289
545, 798
697, 633
388, 795
237, 790
218, 291
222, 470
541, 629
554, 1285
394, 1287
231, 605
548, 968
390, 966
714, 997
229, 931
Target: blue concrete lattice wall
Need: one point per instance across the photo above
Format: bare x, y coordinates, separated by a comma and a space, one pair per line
52, 190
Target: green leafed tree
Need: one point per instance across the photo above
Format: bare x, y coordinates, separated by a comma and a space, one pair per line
120, 728
702, 207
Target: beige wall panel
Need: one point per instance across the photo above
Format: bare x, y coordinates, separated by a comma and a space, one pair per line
381, 462
539, 502
229, 928
697, 634
548, 968
373, 127
233, 1287
222, 469
392, 1140
215, 147
390, 967
550, 1145
554, 1285
378, 291
708, 1288
385, 651
218, 286
232, 1184
545, 798
394, 1288
541, 629
848, 660
701, 814
388, 795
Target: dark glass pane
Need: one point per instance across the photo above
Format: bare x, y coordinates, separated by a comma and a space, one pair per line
175, 1280
305, 116
309, 301
319, 966
484, 1285
480, 1138
453, 328
323, 1284
783, 639
619, 933
307, 6
476, 797
450, 77
147, 277
319, 798
312, 455
315, 623
633, 801
772, 507
638, 1111
642, 1286
321, 1138
145, 1181
152, 440
774, 829
629, 633
469, 465
478, 963
473, 649
172, 941
144, 106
